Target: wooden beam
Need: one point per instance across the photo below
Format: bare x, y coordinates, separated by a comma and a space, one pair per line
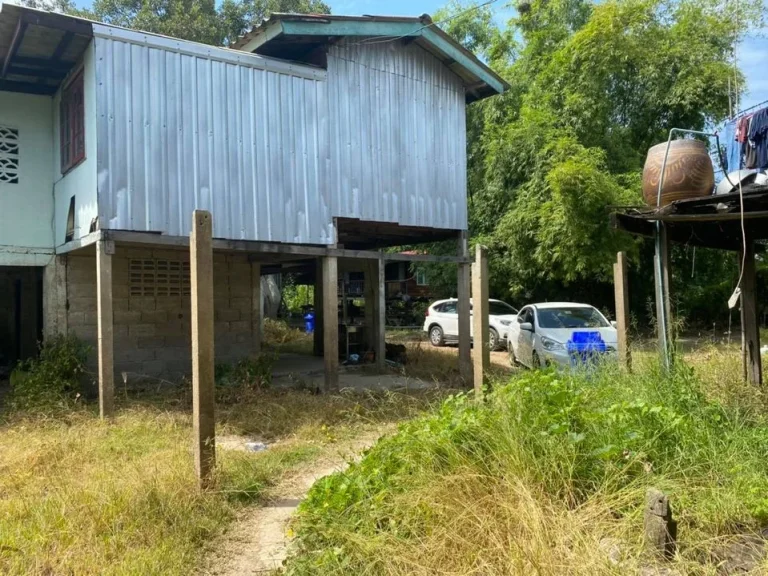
256, 304
259, 247
27, 88
36, 73
463, 287
105, 327
59, 22
381, 316
750, 328
331, 323
621, 290
201, 266
18, 36
62, 46
480, 329
64, 67
692, 218
317, 342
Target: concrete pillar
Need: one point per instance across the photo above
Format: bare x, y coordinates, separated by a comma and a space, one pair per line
317, 341
55, 297
105, 327
201, 265
331, 323
481, 328
621, 289
462, 293
256, 307
381, 314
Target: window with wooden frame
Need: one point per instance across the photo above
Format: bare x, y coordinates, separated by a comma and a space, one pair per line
72, 124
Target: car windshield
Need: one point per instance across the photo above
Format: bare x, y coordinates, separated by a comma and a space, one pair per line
571, 317
497, 308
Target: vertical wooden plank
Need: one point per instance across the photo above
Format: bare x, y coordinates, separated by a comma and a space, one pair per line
480, 329
256, 305
201, 258
370, 284
621, 289
104, 320
749, 321
463, 287
381, 315
331, 323
317, 336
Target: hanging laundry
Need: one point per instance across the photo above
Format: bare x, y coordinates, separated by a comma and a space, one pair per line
732, 147
758, 140
742, 136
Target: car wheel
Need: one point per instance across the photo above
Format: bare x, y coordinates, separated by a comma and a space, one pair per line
511, 355
436, 337
493, 339
535, 361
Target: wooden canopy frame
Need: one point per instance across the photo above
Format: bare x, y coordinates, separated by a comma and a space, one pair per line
711, 222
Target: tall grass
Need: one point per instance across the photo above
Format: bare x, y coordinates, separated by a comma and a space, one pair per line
547, 476
80, 496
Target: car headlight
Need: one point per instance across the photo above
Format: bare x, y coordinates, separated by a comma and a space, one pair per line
550, 344
505, 322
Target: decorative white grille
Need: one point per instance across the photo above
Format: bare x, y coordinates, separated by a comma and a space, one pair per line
9, 155
151, 277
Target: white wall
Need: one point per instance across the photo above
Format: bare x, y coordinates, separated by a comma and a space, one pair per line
26, 208
80, 181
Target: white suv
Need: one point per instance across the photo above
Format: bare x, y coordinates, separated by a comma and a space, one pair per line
442, 322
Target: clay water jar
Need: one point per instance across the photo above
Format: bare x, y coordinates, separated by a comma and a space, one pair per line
688, 173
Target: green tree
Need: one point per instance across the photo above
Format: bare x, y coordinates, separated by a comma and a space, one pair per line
203, 21
593, 86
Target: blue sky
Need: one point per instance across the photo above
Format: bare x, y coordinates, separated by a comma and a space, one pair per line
752, 53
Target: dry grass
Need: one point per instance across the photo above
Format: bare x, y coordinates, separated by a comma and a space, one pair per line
80, 496
548, 477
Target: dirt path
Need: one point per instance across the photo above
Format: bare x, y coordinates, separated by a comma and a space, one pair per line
258, 542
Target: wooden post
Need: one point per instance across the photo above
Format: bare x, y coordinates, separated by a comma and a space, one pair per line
381, 315
663, 301
749, 322
481, 329
104, 251
330, 281
658, 524
256, 304
201, 258
463, 285
317, 337
621, 288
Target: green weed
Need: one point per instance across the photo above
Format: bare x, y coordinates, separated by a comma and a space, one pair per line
534, 478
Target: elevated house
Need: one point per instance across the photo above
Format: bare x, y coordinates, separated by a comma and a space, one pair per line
320, 139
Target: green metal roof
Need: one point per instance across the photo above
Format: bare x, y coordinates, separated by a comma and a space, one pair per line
297, 36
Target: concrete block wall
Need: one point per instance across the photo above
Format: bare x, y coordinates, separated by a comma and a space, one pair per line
152, 332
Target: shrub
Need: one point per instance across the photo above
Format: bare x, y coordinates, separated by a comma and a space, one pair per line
53, 378
246, 375
554, 443
278, 332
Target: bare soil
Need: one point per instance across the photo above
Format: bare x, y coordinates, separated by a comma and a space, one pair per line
258, 542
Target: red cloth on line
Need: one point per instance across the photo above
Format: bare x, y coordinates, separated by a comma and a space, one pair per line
742, 128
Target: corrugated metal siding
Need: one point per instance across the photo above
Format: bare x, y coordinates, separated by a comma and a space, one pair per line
185, 127
398, 136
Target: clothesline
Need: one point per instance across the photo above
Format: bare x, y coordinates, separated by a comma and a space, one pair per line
745, 110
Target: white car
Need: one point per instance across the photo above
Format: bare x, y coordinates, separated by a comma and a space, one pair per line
442, 322
559, 333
